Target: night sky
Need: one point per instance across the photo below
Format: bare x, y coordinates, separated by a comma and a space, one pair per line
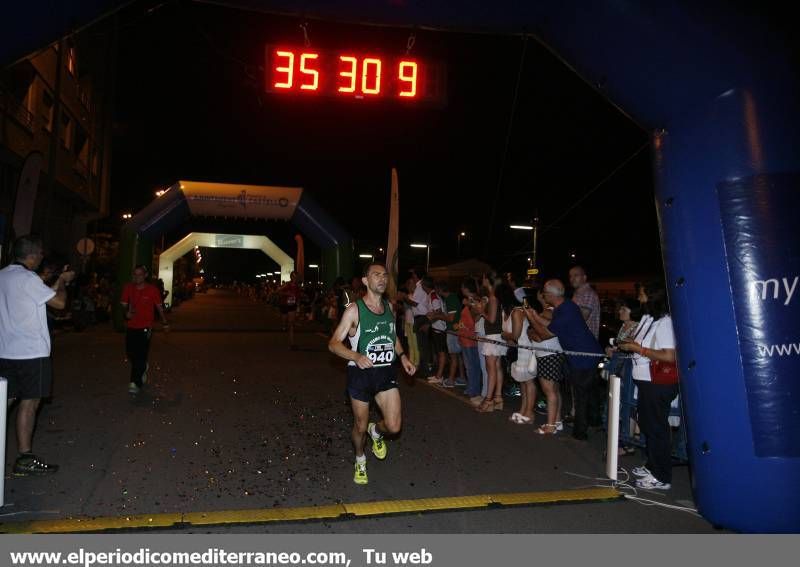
191, 105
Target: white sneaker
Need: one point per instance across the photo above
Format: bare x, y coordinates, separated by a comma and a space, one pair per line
642, 471
133, 388
652, 483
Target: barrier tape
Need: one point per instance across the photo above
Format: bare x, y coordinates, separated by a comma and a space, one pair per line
480, 339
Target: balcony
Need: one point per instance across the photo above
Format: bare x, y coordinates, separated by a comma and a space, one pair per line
11, 107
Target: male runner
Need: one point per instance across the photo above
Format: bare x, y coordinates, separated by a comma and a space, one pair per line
369, 324
140, 300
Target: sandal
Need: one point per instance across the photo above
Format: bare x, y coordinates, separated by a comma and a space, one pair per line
498, 404
486, 406
547, 429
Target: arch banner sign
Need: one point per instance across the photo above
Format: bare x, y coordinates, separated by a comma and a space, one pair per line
763, 252
241, 201
229, 241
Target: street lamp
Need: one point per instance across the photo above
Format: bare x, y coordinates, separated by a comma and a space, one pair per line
460, 236
370, 256
427, 256
535, 228
127, 216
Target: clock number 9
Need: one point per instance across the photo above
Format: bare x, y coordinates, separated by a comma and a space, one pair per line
408, 74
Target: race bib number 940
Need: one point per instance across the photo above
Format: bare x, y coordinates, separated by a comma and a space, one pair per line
381, 354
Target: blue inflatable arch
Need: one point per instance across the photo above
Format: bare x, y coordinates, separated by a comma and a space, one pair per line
198, 198
720, 96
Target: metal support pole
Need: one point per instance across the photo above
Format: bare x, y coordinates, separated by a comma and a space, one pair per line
535, 235
428, 259
3, 418
612, 453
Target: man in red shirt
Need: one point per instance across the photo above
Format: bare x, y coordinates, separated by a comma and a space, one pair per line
140, 300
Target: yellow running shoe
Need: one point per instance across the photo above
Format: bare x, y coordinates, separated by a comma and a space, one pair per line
378, 445
360, 476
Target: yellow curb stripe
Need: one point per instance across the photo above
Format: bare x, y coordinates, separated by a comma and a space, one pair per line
97, 524
334, 511
410, 506
264, 516
529, 498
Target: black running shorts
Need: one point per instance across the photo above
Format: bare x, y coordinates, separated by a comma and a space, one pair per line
28, 379
364, 384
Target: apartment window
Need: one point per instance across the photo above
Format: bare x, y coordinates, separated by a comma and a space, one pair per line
47, 111
30, 98
67, 131
71, 64
82, 145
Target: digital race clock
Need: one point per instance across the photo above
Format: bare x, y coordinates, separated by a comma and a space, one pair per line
347, 74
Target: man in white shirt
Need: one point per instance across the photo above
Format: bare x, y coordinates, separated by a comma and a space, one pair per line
421, 306
25, 343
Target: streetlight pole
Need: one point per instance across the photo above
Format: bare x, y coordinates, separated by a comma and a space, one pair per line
428, 258
534, 226
427, 254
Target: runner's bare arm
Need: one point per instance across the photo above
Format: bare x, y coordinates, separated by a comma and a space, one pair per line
336, 345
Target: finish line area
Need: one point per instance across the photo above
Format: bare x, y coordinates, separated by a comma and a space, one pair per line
236, 432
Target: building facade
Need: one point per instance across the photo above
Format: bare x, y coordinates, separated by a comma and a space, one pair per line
59, 102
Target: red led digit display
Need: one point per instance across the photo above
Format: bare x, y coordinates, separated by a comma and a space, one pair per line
407, 73
307, 69
345, 74
348, 71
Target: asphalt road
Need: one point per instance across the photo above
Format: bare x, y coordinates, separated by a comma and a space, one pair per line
232, 419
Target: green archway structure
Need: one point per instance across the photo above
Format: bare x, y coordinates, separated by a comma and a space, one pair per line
167, 258
185, 199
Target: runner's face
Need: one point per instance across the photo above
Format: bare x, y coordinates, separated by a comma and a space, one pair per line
138, 276
376, 279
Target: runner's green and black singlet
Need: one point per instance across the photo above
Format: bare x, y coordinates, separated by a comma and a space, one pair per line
376, 335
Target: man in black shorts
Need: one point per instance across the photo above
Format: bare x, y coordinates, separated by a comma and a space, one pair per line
369, 325
25, 343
